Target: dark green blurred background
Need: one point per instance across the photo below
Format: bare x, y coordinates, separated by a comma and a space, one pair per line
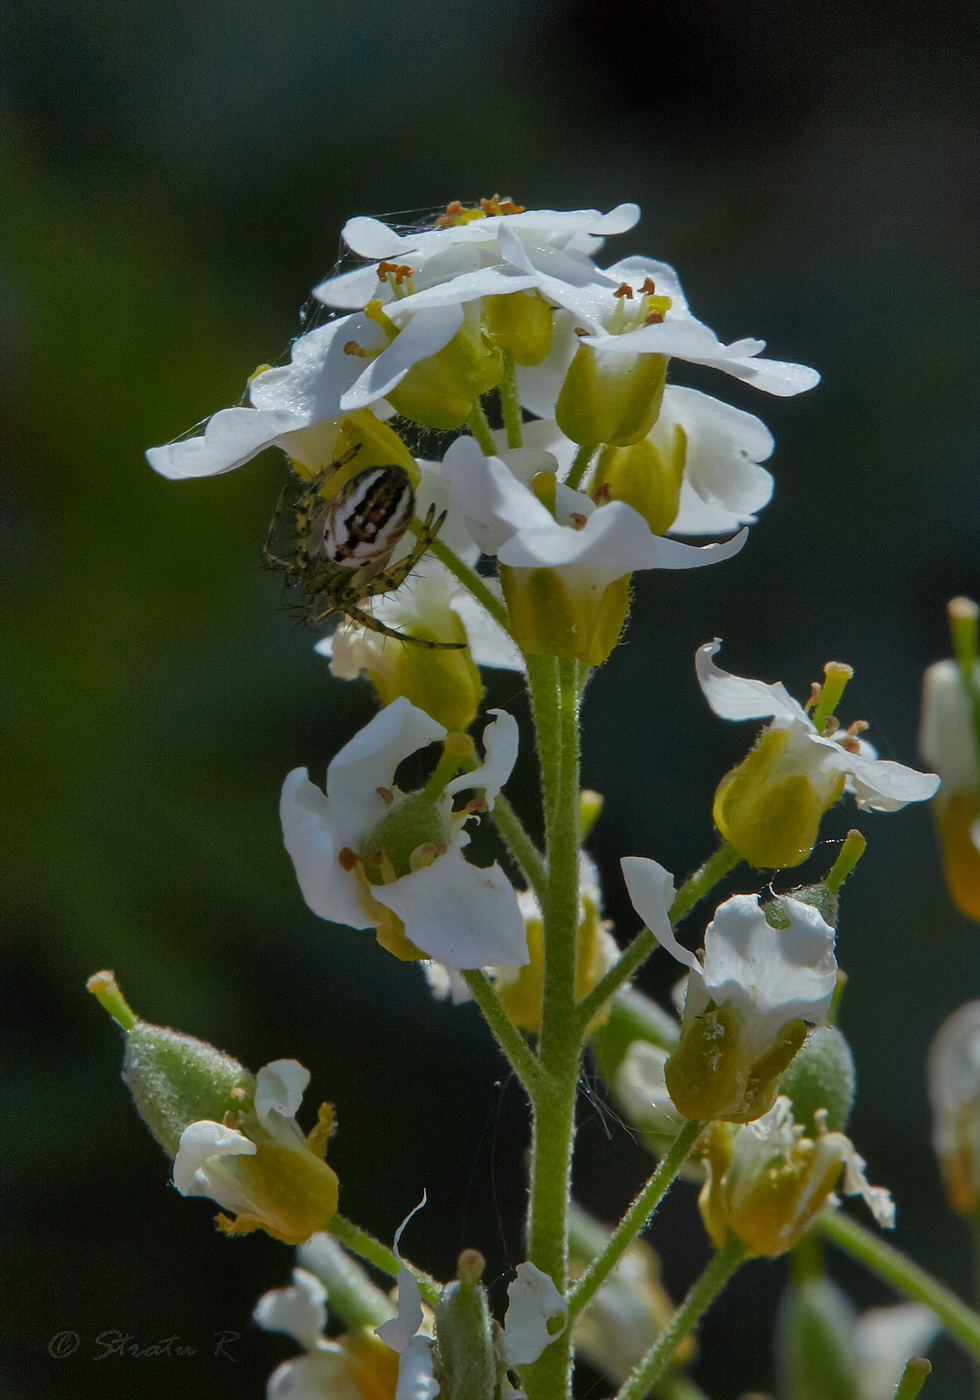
174, 180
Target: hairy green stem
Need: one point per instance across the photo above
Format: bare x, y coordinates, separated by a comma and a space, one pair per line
479, 426
635, 1220
724, 859
695, 1305
520, 845
469, 578
883, 1259
555, 700
514, 1047
365, 1245
510, 405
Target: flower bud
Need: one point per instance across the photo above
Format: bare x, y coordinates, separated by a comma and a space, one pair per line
441, 390
767, 1182
555, 614
467, 1364
445, 683
821, 1078
954, 1090
815, 1343
520, 325
358, 440
609, 397
949, 741
645, 478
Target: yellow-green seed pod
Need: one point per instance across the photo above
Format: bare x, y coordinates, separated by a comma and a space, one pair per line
610, 398
711, 1076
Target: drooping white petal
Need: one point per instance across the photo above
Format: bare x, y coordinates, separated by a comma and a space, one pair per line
399, 1330
416, 1378
424, 335
651, 890
735, 697
202, 1145
314, 846
881, 785
231, 437
368, 762
460, 914
500, 743
299, 1310
493, 502
770, 975
533, 1300
279, 1088
947, 739
885, 1339
489, 643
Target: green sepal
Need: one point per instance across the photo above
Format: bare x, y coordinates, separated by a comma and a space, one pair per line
445, 683
708, 1077
610, 398
815, 1343
548, 620
176, 1080
467, 1366
441, 390
821, 1076
519, 324
645, 478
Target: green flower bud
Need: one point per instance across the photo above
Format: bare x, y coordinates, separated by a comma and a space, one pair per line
520, 325
610, 398
821, 1077
174, 1079
815, 1343
467, 1362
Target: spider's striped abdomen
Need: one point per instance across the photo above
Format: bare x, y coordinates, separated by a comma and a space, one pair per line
361, 525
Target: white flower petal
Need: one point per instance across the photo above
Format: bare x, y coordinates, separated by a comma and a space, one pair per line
881, 785
947, 739
416, 1380
368, 762
399, 1330
298, 1310
500, 742
489, 643
651, 890
279, 1088
199, 1143
319, 371
723, 485
314, 846
493, 502
322, 1375
484, 282
231, 437
533, 1300
460, 914
735, 697
424, 335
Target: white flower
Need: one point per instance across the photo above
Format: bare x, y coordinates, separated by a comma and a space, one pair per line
613, 317
460, 914
559, 240
642, 1089
878, 785
589, 545
884, 1340
403, 1333
208, 1161
769, 975
954, 1092
948, 737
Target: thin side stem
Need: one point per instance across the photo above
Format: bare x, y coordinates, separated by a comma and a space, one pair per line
580, 465
724, 859
520, 845
469, 578
365, 1245
479, 426
510, 405
913, 1378
635, 1220
888, 1263
513, 1046
695, 1305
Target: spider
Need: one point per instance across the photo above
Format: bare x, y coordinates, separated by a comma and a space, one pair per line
344, 544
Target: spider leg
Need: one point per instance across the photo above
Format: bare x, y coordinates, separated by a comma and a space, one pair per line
366, 619
395, 574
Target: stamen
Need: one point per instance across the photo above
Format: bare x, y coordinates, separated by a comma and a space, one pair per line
476, 804
577, 520
580, 330
386, 795
831, 726
454, 211
602, 495
815, 689
624, 290
849, 744
347, 859
399, 271
425, 854
501, 204
858, 727
351, 347
653, 318
649, 287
